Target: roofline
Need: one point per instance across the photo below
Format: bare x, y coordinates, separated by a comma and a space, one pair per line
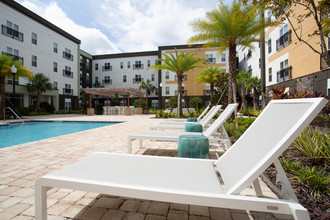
18, 7
121, 55
181, 46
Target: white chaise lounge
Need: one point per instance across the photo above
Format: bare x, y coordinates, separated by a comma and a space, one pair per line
174, 136
179, 125
196, 181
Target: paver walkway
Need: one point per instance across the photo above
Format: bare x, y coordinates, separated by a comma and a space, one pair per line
21, 165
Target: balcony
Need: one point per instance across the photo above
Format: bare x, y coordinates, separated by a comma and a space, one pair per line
184, 77
107, 82
283, 41
67, 91
284, 74
137, 80
137, 66
67, 73
12, 33
207, 92
184, 92
15, 57
106, 68
67, 56
210, 60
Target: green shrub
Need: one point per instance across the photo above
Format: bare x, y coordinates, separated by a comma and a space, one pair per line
47, 107
314, 144
243, 124
322, 121
163, 114
172, 102
289, 165
196, 103
313, 179
136, 103
251, 111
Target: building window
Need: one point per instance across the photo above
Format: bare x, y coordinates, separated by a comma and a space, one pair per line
87, 78
67, 54
167, 75
67, 104
34, 38
11, 30
167, 90
121, 65
81, 63
96, 66
55, 85
107, 67
137, 79
67, 90
128, 64
55, 67
138, 65
55, 47
284, 73
210, 58
34, 61
107, 80
88, 65
269, 45
67, 72
270, 77
152, 77
223, 57
149, 63
124, 78
259, 63
249, 55
96, 79
285, 38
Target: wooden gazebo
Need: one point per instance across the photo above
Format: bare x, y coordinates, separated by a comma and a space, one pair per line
110, 92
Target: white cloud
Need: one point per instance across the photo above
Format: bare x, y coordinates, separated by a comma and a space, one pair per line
93, 40
145, 24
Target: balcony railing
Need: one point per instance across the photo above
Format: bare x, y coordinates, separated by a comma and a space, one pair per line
137, 66
137, 80
67, 56
106, 68
184, 77
67, 91
107, 82
210, 60
283, 41
184, 92
15, 57
207, 92
12, 33
284, 74
67, 73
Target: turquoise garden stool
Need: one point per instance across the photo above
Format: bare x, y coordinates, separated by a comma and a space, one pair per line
193, 146
191, 127
191, 119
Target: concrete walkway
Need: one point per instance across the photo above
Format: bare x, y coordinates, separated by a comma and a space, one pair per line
21, 165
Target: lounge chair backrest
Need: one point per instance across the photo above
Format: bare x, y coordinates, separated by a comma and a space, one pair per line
220, 120
203, 113
279, 124
210, 115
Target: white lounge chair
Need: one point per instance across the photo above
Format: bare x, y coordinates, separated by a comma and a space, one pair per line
181, 125
174, 136
185, 120
196, 181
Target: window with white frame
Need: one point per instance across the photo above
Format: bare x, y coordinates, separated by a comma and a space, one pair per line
270, 45
55, 67
167, 90
34, 38
124, 78
67, 104
167, 75
55, 47
270, 76
55, 85
128, 64
96, 79
223, 57
149, 63
96, 66
34, 61
152, 77
121, 65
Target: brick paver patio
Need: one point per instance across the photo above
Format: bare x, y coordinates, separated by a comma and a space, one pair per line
21, 165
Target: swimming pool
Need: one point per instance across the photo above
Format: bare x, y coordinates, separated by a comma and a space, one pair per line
17, 133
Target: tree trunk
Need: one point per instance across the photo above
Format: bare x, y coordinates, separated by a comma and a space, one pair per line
243, 91
147, 91
179, 95
38, 102
255, 99
232, 72
211, 92
2, 96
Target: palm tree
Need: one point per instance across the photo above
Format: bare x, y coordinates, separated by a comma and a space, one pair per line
210, 75
39, 84
6, 62
255, 84
226, 27
243, 82
148, 87
180, 62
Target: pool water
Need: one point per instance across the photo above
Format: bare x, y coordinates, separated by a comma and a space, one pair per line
18, 133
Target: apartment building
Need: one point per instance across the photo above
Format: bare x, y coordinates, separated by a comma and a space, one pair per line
43, 48
288, 61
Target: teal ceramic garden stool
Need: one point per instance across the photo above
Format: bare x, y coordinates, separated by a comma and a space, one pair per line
191, 119
193, 146
192, 127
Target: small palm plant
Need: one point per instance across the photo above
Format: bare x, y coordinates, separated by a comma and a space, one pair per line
148, 87
39, 84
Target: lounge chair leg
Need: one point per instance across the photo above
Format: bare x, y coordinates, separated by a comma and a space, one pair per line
41, 201
257, 188
129, 147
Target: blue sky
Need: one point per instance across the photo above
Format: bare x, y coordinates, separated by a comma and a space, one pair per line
115, 26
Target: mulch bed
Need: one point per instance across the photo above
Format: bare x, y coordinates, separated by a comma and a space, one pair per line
317, 204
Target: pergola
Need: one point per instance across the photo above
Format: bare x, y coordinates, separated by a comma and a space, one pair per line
112, 91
